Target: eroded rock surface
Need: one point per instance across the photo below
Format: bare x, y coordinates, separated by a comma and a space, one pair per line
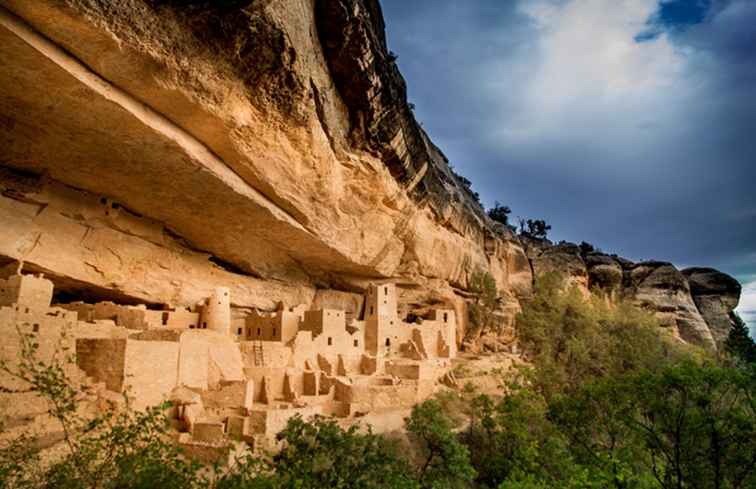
697, 303
271, 140
153, 150
716, 295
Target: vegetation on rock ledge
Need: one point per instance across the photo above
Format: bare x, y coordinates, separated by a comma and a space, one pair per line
606, 402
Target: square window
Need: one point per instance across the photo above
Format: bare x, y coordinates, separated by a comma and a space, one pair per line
35, 328
356, 343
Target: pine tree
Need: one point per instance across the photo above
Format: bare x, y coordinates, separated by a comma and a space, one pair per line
739, 343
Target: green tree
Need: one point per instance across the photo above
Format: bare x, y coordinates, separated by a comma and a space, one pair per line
500, 213
572, 339
739, 343
444, 461
320, 454
512, 438
698, 422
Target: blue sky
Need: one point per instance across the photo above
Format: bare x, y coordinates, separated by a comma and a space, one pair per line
630, 124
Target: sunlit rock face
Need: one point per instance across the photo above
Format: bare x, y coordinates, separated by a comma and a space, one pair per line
168, 149
153, 151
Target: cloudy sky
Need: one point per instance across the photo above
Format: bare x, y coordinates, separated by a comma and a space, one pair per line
630, 124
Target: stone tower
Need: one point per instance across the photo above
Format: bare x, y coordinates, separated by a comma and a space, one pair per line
216, 314
380, 301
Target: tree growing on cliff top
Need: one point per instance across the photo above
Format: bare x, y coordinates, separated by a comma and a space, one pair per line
537, 228
500, 213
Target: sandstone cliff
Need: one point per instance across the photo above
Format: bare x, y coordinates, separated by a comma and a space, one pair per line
156, 149
696, 303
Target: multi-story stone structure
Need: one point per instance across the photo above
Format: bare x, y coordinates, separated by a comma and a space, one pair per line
240, 377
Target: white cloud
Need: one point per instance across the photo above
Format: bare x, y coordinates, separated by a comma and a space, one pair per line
747, 307
748, 298
587, 74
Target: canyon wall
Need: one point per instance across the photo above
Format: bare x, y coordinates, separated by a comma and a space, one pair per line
152, 150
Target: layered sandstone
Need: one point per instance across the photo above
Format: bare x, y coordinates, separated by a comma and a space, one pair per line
268, 147
696, 303
154, 150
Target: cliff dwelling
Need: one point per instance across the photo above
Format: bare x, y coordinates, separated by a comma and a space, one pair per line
236, 211
238, 377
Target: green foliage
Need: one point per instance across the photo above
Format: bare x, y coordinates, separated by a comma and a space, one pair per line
500, 213
739, 343
512, 438
321, 454
445, 462
481, 312
607, 403
699, 425
535, 228
684, 425
572, 339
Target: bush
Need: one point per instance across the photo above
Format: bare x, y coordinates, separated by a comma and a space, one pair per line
572, 339
445, 462
535, 228
321, 454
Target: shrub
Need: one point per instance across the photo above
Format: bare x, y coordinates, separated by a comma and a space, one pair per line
572, 339
445, 462
116, 448
537, 228
320, 454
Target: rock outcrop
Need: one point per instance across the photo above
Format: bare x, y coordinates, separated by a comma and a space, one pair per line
696, 303
716, 296
252, 143
154, 150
